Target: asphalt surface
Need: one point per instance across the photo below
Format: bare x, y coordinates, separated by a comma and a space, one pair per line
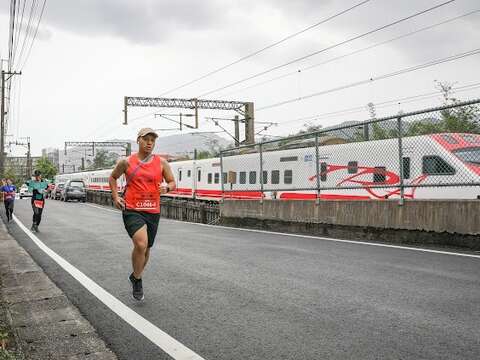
232, 294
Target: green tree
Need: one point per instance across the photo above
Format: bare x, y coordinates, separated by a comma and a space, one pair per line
46, 167
103, 159
462, 119
17, 180
204, 154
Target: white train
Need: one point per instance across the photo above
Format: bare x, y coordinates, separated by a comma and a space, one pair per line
352, 171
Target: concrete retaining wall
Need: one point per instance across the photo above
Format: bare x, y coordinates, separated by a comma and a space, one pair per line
447, 222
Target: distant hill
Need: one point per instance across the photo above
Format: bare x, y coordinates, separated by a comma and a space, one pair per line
184, 143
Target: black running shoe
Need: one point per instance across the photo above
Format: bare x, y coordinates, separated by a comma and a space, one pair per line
36, 229
33, 227
137, 287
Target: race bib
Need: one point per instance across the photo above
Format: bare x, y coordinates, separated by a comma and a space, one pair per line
38, 203
146, 201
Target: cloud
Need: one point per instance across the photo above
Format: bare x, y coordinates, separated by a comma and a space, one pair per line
140, 21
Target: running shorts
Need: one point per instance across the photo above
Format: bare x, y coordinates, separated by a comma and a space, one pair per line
134, 220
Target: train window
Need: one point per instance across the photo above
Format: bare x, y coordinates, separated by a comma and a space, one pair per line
189, 173
471, 138
232, 177
469, 155
179, 175
225, 177
275, 177
265, 177
216, 178
252, 177
353, 167
199, 175
209, 178
379, 175
243, 177
406, 167
289, 158
287, 176
449, 139
323, 171
435, 165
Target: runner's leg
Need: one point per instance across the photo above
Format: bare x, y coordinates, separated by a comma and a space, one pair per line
34, 218
10, 209
7, 211
139, 253
147, 256
39, 215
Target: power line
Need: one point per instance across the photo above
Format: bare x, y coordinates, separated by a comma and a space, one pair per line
325, 49
11, 34
28, 28
264, 48
383, 104
381, 77
35, 34
19, 31
351, 53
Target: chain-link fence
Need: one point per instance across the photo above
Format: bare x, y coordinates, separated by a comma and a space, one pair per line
428, 154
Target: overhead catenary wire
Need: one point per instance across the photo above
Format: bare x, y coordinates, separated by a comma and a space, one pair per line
376, 78
397, 101
370, 32
351, 53
248, 56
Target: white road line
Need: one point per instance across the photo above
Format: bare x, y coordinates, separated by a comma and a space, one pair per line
315, 237
160, 338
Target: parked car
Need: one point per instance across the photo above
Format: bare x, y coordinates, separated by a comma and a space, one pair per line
74, 189
24, 192
56, 193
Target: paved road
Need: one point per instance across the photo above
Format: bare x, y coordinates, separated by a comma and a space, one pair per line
232, 294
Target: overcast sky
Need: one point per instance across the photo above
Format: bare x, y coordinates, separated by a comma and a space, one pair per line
89, 54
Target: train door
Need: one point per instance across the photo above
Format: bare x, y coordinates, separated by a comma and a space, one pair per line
197, 178
179, 177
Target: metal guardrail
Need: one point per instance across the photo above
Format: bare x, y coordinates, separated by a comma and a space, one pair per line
205, 213
398, 154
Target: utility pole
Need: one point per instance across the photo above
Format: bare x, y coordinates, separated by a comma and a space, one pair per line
2, 118
237, 131
29, 158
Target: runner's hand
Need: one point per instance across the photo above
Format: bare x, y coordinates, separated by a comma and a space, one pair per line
162, 189
119, 203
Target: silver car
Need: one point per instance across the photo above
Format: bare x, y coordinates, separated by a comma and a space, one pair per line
74, 189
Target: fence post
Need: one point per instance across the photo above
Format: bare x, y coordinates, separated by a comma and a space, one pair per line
222, 180
203, 214
317, 169
261, 172
400, 158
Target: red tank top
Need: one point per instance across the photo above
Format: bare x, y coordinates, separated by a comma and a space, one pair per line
142, 193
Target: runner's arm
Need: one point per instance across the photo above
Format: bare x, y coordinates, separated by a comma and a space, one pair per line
118, 171
168, 176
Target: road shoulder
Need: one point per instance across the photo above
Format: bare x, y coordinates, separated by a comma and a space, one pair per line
44, 323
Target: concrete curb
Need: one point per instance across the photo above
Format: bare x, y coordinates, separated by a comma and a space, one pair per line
45, 323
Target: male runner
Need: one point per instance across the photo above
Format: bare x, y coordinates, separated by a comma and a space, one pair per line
144, 173
38, 189
9, 191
